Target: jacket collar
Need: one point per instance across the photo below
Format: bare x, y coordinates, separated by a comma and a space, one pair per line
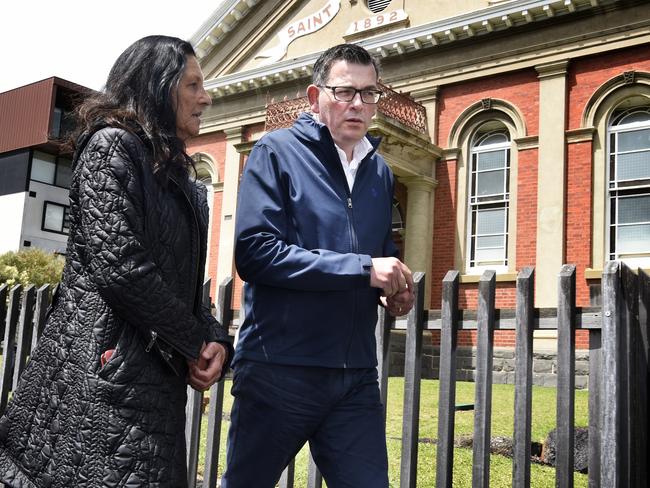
314, 130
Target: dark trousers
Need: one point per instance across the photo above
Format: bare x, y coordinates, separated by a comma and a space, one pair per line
279, 408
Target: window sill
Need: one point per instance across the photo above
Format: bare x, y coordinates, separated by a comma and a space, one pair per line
597, 273
500, 277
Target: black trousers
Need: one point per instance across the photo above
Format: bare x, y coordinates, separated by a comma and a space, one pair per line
278, 408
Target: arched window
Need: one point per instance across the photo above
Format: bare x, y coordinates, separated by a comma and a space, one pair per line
628, 170
488, 197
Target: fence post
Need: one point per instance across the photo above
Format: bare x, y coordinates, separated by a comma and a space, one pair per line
314, 478
523, 378
40, 313
644, 403
412, 371
595, 398
9, 342
565, 405
3, 308
635, 412
193, 415
447, 393
483, 386
25, 327
286, 479
224, 316
382, 336
614, 455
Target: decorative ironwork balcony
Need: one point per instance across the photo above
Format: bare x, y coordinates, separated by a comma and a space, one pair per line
397, 106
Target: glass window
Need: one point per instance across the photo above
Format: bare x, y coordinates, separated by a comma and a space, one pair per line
56, 218
50, 169
629, 185
57, 115
43, 167
489, 198
63, 172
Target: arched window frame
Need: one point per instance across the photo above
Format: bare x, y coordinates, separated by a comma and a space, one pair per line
629, 193
599, 112
460, 140
490, 240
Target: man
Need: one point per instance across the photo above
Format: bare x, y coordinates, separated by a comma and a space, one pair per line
313, 243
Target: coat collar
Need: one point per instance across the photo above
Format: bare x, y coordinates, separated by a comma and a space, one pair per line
314, 130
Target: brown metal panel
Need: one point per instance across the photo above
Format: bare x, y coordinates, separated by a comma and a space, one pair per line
25, 115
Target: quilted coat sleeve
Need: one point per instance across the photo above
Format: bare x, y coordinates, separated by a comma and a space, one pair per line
262, 253
111, 220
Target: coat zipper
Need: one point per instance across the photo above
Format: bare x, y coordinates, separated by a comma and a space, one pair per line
354, 242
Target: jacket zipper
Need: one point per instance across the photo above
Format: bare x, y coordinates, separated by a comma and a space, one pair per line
354, 242
355, 248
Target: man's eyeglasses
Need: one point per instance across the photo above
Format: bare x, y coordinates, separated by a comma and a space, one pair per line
347, 93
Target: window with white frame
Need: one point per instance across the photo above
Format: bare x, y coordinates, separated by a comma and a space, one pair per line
629, 186
56, 218
489, 198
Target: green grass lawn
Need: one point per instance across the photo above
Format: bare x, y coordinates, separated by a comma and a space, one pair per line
502, 425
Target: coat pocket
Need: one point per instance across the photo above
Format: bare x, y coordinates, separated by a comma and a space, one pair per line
124, 364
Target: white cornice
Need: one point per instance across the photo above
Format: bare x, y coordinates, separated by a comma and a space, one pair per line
494, 18
223, 20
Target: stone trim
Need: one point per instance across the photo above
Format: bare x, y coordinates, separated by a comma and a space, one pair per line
583, 134
500, 277
525, 143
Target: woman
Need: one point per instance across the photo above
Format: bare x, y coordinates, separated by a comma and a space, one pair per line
102, 400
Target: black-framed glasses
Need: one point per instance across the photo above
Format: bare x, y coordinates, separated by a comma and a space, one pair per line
347, 93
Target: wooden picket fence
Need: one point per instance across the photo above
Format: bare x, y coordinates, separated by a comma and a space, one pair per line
618, 380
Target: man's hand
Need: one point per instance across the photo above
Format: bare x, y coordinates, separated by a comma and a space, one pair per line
205, 371
399, 304
391, 275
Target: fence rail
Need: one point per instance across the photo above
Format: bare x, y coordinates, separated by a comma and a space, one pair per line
619, 343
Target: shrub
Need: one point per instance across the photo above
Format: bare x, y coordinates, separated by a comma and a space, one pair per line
33, 266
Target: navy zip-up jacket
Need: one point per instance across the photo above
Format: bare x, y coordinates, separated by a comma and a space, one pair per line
304, 245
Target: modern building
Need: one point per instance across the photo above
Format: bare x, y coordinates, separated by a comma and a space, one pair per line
34, 169
519, 131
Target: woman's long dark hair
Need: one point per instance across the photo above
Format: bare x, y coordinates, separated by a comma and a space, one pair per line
138, 98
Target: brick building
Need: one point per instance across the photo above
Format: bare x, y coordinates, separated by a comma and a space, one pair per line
521, 136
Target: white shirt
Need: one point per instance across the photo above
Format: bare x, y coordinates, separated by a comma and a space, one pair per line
360, 151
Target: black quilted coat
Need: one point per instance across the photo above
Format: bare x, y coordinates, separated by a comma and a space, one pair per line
135, 260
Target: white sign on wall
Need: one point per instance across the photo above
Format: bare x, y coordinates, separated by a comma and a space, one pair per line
376, 21
299, 28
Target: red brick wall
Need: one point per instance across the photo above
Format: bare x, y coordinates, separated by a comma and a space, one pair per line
444, 227
519, 89
526, 241
589, 73
586, 76
213, 145
578, 223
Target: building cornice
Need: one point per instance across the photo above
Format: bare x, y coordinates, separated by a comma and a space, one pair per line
216, 27
443, 32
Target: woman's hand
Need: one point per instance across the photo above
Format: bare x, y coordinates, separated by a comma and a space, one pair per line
205, 371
